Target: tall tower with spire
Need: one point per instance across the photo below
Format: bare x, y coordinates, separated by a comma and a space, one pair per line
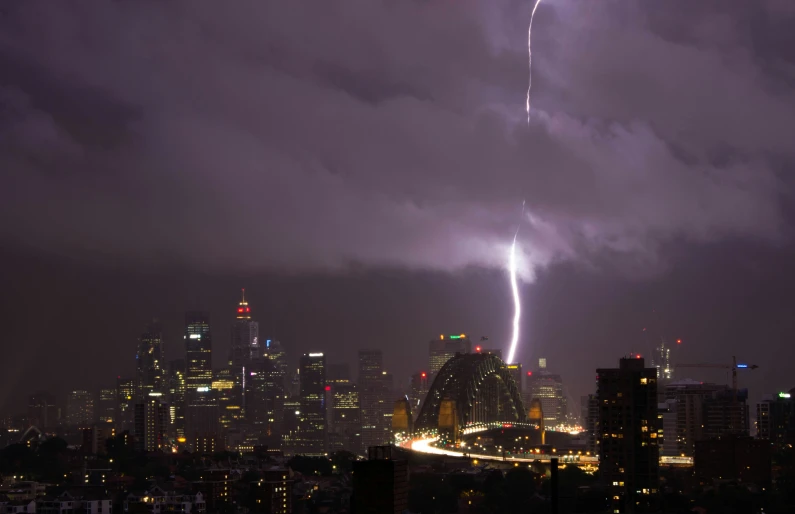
244, 348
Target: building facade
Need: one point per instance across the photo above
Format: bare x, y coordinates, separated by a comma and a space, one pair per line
312, 429
628, 451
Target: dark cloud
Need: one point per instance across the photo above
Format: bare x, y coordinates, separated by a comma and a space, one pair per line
295, 136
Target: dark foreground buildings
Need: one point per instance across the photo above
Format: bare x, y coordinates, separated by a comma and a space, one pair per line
627, 435
380, 484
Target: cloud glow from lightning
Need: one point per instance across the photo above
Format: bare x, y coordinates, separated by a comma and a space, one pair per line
517, 304
530, 57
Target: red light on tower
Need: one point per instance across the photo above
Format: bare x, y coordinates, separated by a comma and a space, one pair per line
529, 373
240, 309
328, 388
477, 349
423, 375
678, 341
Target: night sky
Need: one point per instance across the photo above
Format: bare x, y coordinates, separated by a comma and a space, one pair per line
359, 167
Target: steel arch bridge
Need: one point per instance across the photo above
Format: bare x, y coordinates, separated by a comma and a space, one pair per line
482, 388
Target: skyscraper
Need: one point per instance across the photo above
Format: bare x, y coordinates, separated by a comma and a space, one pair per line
312, 417
548, 389
374, 396
80, 408
125, 410
176, 399
198, 346
106, 408
149, 361
661, 361
265, 400
345, 420
443, 349
627, 433
244, 347
419, 390
151, 424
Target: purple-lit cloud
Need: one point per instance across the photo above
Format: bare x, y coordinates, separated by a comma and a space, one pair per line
302, 136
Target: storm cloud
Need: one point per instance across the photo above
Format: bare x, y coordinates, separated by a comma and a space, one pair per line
301, 136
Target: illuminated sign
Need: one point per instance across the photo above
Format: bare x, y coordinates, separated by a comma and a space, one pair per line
459, 336
268, 343
202, 389
153, 393
742, 365
784, 395
513, 366
316, 355
195, 336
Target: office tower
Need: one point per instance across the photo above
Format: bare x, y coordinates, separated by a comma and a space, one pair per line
443, 349
380, 484
244, 347
515, 370
312, 418
265, 400
224, 388
176, 399
290, 425
149, 362
373, 396
702, 411
151, 424
666, 428
202, 421
198, 345
775, 418
590, 411
548, 389
80, 408
106, 407
419, 390
629, 456
125, 410
345, 421
42, 412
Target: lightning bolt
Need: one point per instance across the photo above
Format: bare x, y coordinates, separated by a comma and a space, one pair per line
517, 304
530, 57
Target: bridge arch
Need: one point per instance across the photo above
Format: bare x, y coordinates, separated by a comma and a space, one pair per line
481, 386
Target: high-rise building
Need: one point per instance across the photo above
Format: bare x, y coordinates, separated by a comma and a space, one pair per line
345, 420
265, 400
775, 418
515, 370
590, 410
629, 455
548, 389
125, 410
106, 407
151, 424
443, 349
80, 408
374, 399
149, 362
228, 401
176, 399
661, 361
702, 411
202, 421
42, 411
244, 348
312, 419
198, 345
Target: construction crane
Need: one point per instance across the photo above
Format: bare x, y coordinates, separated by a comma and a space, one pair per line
733, 366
